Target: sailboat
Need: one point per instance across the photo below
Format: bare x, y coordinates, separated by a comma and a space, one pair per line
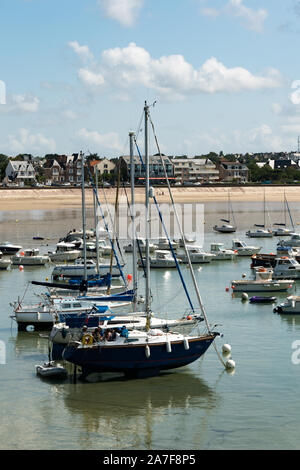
141, 353
282, 230
261, 231
227, 227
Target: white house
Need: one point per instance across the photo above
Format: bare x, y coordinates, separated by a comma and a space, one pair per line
19, 172
195, 169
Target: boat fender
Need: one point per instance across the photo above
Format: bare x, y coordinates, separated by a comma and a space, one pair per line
38, 316
147, 351
226, 348
168, 346
186, 344
87, 339
230, 365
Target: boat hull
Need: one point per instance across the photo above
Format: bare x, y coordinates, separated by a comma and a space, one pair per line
132, 360
261, 286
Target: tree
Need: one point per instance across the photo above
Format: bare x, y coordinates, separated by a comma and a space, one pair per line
3, 164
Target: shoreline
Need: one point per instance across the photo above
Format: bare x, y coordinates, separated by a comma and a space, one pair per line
63, 198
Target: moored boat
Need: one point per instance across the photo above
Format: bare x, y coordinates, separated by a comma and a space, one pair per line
29, 257
263, 282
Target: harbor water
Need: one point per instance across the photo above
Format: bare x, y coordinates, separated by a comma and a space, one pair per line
201, 406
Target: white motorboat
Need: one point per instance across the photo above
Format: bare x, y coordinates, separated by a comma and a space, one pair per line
242, 249
8, 248
197, 255
260, 233
221, 253
104, 248
162, 259
29, 257
77, 269
163, 244
294, 240
140, 246
64, 252
50, 369
78, 234
290, 306
286, 268
263, 282
4, 262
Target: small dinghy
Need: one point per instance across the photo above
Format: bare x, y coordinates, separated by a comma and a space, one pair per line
50, 369
257, 299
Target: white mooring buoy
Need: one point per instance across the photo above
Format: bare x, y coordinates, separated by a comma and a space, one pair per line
226, 348
230, 364
245, 296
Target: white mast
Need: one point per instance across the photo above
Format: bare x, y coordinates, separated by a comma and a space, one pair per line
134, 258
147, 216
83, 217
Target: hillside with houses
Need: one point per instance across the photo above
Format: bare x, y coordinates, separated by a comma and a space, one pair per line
65, 170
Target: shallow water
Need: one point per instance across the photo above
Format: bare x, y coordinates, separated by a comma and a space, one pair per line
197, 407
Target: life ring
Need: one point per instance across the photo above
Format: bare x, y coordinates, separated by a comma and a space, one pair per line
87, 339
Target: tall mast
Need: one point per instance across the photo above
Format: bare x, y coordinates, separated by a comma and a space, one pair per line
83, 215
96, 218
147, 215
134, 258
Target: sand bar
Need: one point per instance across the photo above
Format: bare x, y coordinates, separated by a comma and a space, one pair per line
62, 198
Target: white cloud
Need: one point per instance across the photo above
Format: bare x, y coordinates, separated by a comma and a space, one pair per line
21, 104
253, 19
109, 140
123, 11
82, 51
171, 76
26, 142
91, 78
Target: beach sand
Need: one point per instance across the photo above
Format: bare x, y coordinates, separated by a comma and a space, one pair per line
62, 198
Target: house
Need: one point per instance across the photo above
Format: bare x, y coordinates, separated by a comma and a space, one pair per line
233, 172
104, 166
191, 170
63, 169
156, 168
20, 172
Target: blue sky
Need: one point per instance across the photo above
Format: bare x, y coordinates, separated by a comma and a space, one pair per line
224, 75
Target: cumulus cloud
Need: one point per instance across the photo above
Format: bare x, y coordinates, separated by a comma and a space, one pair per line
22, 103
123, 11
82, 51
109, 140
252, 19
171, 76
25, 142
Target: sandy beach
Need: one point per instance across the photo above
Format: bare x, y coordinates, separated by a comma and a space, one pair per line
62, 198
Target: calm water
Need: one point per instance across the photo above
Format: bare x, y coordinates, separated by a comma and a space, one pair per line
197, 407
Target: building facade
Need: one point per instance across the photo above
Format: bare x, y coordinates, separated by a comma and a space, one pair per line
156, 168
20, 172
233, 172
192, 170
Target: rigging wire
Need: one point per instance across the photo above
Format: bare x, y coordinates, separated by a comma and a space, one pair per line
184, 243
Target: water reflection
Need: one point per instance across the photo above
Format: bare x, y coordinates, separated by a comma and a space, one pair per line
127, 414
